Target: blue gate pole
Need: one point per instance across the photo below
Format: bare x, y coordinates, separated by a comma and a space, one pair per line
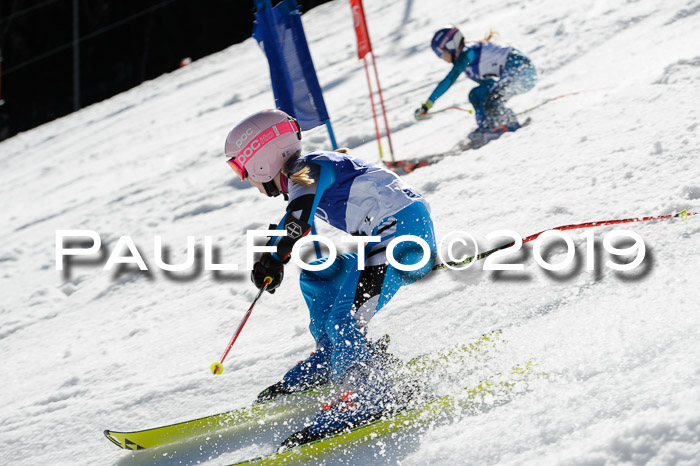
330, 133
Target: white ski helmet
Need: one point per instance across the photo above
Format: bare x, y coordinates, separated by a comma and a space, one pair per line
448, 38
261, 144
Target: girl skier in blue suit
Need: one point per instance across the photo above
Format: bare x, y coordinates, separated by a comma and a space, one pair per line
500, 72
358, 198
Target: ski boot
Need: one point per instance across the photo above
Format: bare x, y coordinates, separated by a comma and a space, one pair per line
311, 372
482, 135
365, 395
314, 371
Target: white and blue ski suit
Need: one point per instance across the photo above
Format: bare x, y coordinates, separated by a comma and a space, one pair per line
358, 198
501, 72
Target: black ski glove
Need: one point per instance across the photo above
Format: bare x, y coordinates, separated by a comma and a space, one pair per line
267, 266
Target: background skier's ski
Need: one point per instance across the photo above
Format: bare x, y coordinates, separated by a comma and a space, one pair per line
408, 166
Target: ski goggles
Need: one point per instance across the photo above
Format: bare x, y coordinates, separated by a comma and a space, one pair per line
240, 160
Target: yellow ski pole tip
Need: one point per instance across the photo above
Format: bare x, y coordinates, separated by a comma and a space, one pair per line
217, 368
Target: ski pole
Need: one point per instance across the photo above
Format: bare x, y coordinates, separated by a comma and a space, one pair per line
468, 110
551, 99
218, 367
546, 101
683, 214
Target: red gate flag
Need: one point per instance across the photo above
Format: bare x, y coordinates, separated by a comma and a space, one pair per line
358, 17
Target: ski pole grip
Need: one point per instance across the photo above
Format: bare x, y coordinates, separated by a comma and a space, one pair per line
267, 280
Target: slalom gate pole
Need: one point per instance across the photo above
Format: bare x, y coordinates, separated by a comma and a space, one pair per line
334, 144
684, 214
374, 113
218, 367
381, 101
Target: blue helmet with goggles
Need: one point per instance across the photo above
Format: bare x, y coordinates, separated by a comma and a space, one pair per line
448, 38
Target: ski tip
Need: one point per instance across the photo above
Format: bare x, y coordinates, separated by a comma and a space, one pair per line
108, 434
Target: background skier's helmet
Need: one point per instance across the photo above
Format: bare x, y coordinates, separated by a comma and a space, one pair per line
261, 144
448, 38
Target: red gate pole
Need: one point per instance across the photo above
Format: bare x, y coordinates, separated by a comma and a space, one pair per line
374, 113
381, 100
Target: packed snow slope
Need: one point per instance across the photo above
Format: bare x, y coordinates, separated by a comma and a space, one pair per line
86, 349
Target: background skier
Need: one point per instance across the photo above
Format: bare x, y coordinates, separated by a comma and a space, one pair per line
356, 197
500, 71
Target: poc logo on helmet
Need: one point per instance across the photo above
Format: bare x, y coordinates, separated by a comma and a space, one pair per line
244, 137
250, 150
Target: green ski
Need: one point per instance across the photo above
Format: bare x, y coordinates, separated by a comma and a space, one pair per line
287, 407
500, 387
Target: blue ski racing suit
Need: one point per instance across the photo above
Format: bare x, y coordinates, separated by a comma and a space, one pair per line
501, 73
362, 199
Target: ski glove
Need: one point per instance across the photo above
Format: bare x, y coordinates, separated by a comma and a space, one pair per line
422, 112
267, 266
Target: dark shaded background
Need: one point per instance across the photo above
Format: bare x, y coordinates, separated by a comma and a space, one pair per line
122, 43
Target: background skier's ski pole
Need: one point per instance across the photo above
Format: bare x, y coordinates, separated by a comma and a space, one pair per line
218, 367
468, 110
